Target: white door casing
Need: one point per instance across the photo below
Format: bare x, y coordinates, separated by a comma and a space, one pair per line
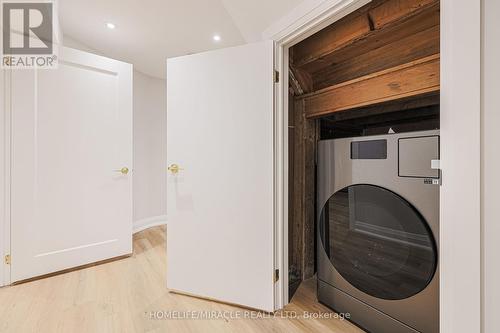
2, 174
461, 149
4, 179
71, 131
220, 205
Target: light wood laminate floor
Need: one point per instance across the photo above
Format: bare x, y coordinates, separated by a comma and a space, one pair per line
124, 295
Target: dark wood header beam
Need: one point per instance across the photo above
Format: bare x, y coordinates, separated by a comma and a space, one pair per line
375, 25
404, 50
416, 78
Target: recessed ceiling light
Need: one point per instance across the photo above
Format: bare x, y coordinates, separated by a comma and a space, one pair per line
110, 25
217, 38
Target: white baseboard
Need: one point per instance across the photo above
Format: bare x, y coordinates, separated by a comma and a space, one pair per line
149, 223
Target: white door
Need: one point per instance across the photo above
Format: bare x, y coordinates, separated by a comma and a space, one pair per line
4, 189
71, 133
220, 204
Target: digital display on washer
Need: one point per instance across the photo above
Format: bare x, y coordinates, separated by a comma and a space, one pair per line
369, 150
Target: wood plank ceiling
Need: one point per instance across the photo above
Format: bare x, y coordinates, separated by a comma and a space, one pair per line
386, 51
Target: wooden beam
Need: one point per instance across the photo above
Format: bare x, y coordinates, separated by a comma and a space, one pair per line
394, 10
294, 86
300, 81
390, 21
409, 80
404, 104
404, 50
331, 38
302, 221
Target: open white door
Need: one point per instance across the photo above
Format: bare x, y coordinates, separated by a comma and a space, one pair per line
71, 134
220, 202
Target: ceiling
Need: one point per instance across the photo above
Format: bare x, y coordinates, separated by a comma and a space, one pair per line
149, 31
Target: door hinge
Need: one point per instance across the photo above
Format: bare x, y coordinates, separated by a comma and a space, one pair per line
276, 275
276, 76
7, 259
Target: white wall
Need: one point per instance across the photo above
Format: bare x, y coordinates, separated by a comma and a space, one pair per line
74, 44
150, 147
150, 160
491, 167
3, 183
460, 237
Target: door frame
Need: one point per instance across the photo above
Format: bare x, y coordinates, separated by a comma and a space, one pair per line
5, 149
460, 288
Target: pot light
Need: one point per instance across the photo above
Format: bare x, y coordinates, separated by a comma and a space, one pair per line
110, 25
217, 38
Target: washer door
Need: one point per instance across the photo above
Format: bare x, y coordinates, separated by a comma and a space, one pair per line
378, 242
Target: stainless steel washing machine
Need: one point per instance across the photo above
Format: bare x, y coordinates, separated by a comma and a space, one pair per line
378, 230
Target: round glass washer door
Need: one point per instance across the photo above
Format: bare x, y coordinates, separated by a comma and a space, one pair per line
378, 242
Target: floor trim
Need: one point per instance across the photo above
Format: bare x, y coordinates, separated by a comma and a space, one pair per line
150, 222
68, 270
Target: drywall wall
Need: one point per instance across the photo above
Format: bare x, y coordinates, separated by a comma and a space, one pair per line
149, 145
74, 44
460, 237
3, 180
150, 160
490, 180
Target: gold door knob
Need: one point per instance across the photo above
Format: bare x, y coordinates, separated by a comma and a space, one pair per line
123, 171
174, 169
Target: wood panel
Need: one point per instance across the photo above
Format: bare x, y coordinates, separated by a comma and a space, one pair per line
404, 50
344, 39
302, 221
394, 10
411, 79
294, 239
331, 38
301, 81
421, 20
